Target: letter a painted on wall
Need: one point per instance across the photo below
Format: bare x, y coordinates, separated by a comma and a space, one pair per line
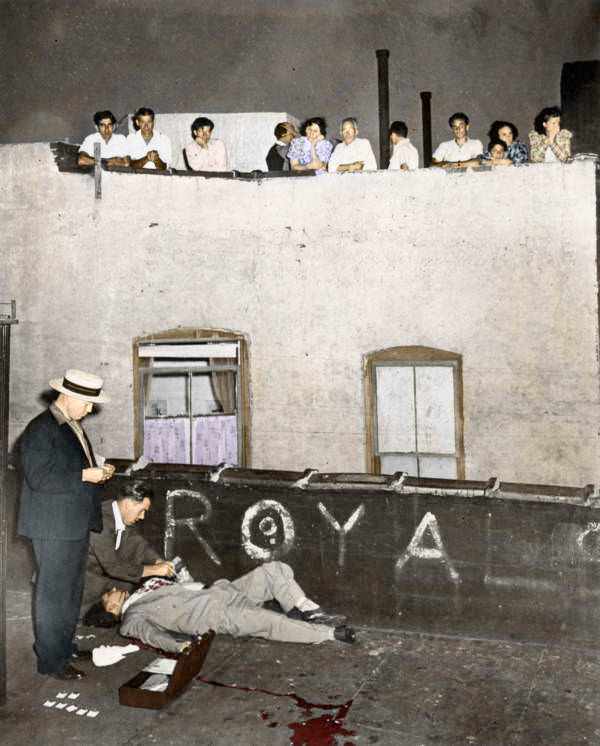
418, 551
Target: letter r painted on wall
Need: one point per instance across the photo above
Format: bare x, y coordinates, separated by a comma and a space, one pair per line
171, 522
417, 549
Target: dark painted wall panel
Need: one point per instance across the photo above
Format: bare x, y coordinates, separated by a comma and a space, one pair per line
478, 566
481, 566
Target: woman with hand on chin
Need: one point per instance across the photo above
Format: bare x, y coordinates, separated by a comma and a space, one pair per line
549, 143
312, 151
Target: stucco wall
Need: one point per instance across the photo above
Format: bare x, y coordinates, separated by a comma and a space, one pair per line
499, 266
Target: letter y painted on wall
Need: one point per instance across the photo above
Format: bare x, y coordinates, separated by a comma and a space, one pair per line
342, 530
417, 550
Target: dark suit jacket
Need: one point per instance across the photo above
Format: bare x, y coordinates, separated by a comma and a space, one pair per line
276, 157
108, 567
55, 503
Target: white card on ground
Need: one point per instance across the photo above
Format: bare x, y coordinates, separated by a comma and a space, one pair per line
161, 665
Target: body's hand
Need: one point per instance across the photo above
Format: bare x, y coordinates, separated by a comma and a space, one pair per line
113, 600
161, 567
97, 474
124, 162
185, 646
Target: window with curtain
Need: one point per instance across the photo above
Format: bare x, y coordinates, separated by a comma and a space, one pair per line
192, 400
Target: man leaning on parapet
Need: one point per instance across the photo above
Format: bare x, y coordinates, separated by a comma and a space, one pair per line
354, 153
462, 152
113, 148
148, 148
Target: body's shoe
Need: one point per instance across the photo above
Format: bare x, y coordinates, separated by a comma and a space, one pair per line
67, 673
344, 634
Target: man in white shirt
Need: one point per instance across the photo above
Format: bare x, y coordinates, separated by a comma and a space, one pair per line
203, 153
148, 147
405, 155
354, 154
113, 147
461, 152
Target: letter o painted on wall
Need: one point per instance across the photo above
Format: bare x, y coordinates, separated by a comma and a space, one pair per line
267, 530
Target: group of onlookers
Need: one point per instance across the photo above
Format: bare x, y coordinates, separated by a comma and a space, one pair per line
310, 150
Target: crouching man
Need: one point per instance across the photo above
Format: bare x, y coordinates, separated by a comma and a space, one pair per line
119, 555
160, 609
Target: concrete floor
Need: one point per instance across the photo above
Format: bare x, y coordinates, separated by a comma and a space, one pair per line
389, 689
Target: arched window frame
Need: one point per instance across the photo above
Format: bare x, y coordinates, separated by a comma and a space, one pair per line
416, 355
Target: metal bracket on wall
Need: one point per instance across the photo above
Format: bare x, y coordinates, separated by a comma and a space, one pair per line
97, 171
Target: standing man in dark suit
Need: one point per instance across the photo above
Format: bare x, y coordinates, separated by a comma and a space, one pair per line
59, 507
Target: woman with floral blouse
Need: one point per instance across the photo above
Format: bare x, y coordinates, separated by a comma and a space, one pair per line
312, 151
548, 142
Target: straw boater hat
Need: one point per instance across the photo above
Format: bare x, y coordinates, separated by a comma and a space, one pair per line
81, 385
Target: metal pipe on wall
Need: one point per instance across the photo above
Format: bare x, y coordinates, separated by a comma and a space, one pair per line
384, 106
426, 123
5, 323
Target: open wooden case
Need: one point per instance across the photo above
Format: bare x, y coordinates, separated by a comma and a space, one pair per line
188, 665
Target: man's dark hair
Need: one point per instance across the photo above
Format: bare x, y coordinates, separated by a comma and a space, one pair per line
100, 115
458, 115
143, 111
544, 116
97, 616
398, 128
497, 125
319, 121
497, 141
200, 122
136, 490
280, 130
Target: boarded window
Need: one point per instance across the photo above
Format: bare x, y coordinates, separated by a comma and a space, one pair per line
414, 418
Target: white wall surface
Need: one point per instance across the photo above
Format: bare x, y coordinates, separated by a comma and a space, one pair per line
499, 266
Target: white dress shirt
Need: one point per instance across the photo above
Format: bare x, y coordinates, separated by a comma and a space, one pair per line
404, 153
452, 152
137, 147
116, 147
359, 150
119, 525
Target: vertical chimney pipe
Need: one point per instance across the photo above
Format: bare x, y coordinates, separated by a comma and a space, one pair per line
384, 106
426, 120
